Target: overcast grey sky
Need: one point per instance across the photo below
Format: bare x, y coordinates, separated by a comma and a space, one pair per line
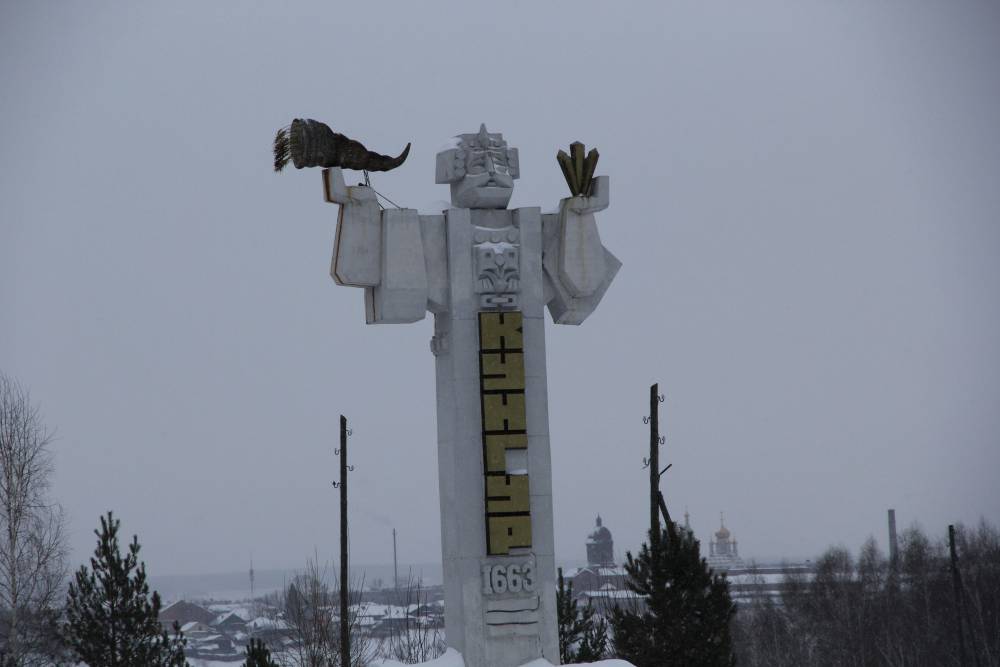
804, 196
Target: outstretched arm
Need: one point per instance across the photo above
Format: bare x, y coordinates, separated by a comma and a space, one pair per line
358, 250
581, 255
578, 267
381, 251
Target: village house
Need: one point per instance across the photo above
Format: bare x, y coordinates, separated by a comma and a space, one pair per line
184, 612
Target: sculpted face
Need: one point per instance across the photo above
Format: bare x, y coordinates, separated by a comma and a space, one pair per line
480, 168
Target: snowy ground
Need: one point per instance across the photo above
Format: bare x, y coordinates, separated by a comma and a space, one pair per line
453, 658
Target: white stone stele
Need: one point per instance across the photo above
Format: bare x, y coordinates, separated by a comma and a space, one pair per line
453, 658
475, 256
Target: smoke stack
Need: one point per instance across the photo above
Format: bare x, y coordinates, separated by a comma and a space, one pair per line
893, 544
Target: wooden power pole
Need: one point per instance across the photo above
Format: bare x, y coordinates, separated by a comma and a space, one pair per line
654, 466
345, 634
657, 505
395, 564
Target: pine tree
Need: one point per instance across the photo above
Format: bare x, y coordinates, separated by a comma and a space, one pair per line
687, 607
583, 636
112, 619
258, 655
568, 620
594, 642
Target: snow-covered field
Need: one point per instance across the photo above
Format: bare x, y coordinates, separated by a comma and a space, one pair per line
451, 658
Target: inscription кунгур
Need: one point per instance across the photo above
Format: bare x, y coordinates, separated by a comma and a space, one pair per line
501, 365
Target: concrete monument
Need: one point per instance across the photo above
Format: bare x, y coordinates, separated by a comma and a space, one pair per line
486, 273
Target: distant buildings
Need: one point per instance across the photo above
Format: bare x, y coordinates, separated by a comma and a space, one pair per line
600, 546
384, 620
218, 632
749, 582
603, 582
722, 552
184, 612
230, 622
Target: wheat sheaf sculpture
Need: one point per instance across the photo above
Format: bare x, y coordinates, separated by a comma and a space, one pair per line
578, 170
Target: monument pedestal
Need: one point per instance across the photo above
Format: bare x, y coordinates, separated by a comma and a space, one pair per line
493, 454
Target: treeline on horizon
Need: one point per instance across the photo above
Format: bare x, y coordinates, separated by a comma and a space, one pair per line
868, 610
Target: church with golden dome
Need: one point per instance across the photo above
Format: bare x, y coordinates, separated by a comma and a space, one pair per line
723, 553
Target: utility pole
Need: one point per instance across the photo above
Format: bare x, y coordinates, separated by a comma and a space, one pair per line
654, 466
892, 584
956, 579
252, 602
893, 542
345, 635
395, 564
657, 505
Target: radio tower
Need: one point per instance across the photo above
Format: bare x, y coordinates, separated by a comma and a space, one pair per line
251, 578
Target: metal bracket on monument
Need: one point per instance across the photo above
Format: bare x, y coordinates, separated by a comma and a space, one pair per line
498, 301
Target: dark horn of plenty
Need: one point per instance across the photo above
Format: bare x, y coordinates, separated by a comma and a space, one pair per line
310, 143
377, 162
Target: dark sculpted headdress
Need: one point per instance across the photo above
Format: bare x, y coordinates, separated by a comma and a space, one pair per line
310, 143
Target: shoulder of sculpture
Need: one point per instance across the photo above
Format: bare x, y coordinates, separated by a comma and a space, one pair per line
361, 193
401, 214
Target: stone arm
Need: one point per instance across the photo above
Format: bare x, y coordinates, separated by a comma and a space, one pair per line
380, 251
578, 268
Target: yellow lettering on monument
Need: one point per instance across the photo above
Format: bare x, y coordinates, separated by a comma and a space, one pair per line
500, 331
503, 412
496, 449
508, 532
507, 493
502, 370
501, 385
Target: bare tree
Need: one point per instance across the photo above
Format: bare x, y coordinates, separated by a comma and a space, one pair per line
980, 548
307, 610
765, 630
32, 534
869, 611
410, 638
